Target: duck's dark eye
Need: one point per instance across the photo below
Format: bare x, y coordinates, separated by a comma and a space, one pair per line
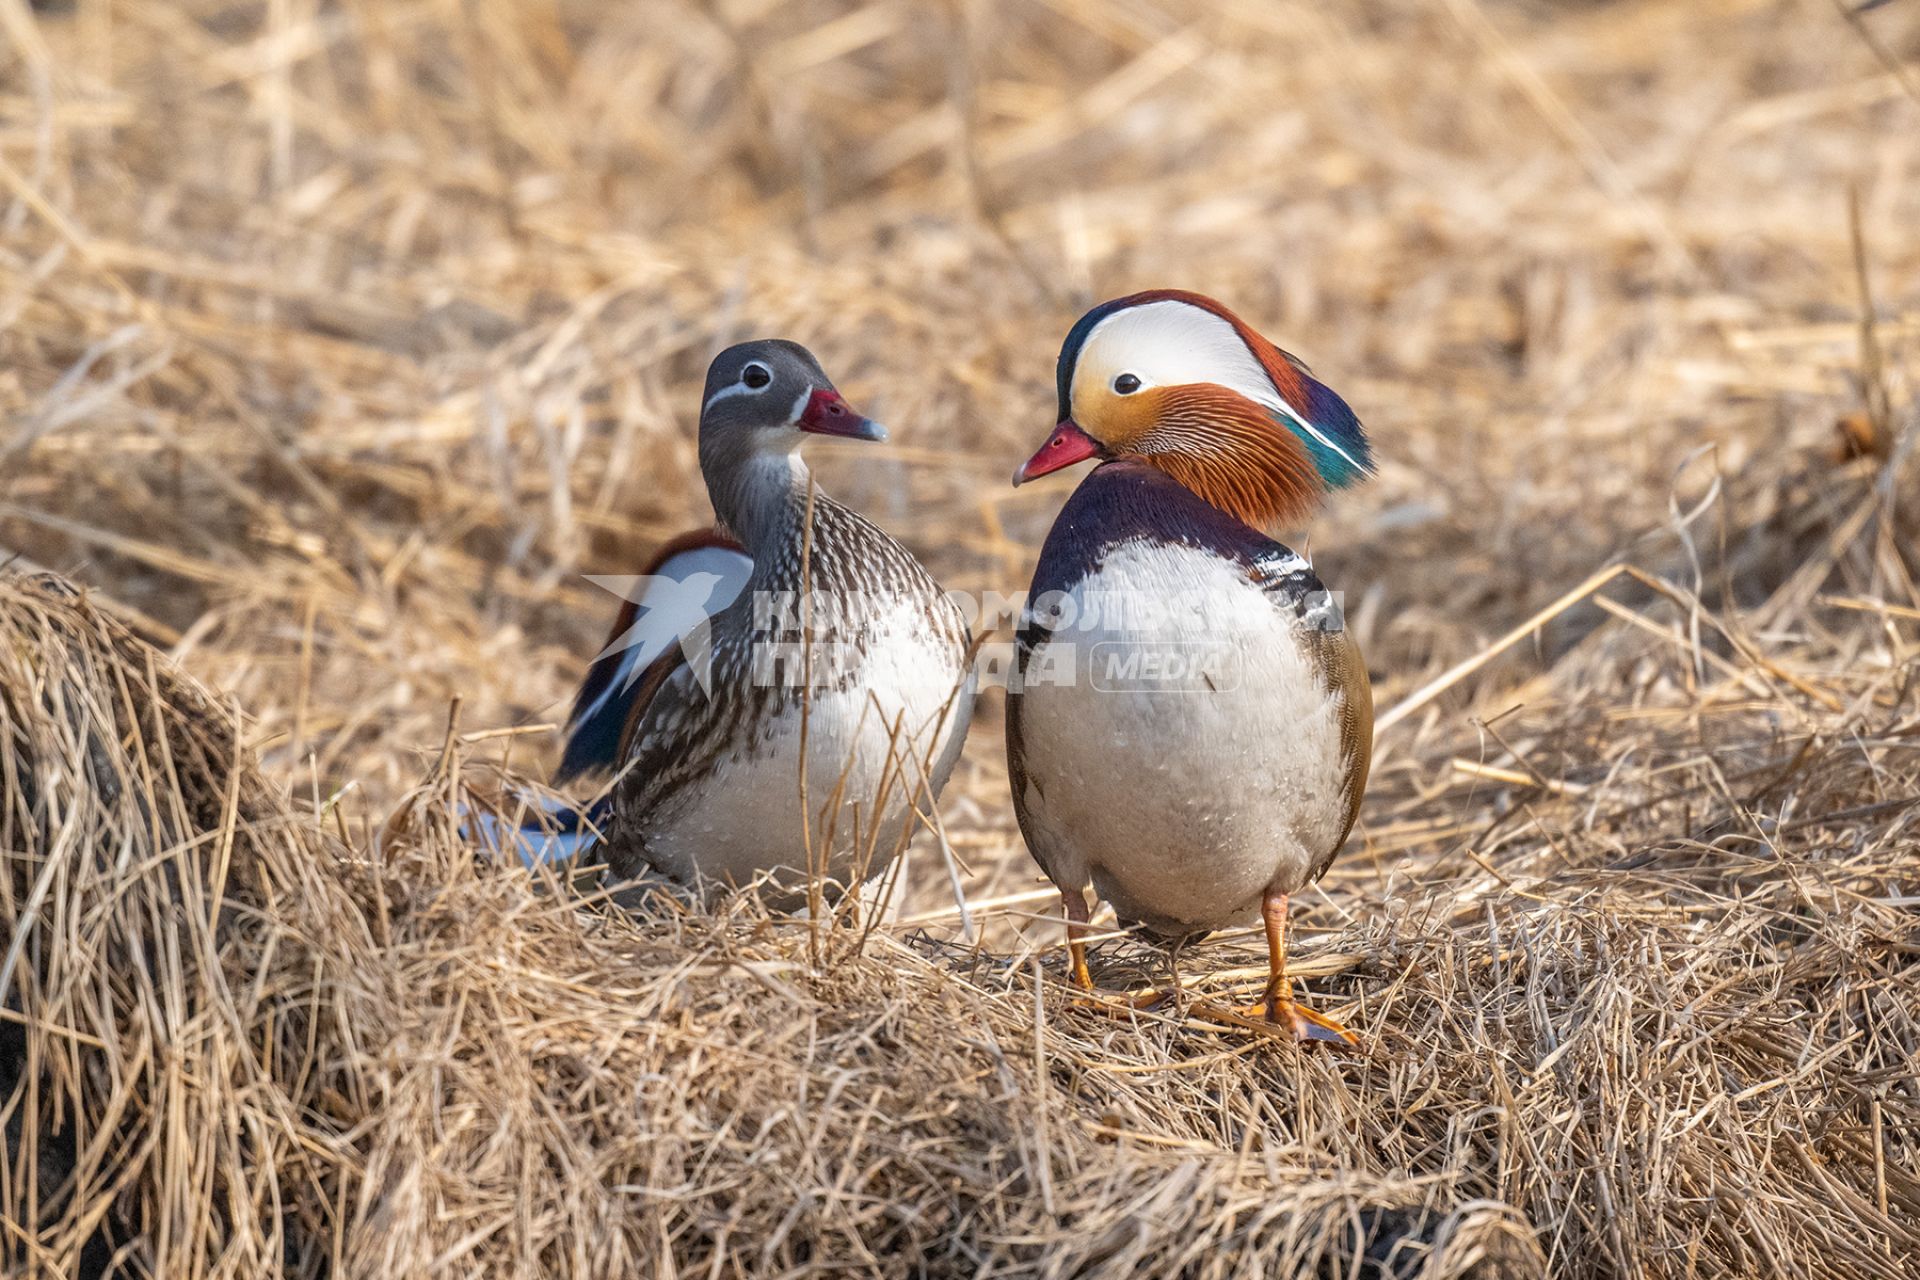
1126, 384
755, 376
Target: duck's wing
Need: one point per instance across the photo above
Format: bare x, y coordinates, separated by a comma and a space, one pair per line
647, 629
1296, 590
1029, 641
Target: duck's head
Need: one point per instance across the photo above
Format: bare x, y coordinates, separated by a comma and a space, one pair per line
767, 395
1177, 381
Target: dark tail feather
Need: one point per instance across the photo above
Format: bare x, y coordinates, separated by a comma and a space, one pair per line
548, 831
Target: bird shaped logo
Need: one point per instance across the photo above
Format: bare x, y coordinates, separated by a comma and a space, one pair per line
667, 611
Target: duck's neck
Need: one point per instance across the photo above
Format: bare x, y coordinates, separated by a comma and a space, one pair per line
1129, 500
760, 496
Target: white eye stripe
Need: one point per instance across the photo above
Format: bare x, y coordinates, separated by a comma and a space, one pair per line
740, 388
729, 391
733, 389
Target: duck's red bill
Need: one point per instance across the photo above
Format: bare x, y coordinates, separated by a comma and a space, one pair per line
827, 414
1067, 445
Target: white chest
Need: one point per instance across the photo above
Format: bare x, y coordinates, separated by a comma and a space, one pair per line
1182, 747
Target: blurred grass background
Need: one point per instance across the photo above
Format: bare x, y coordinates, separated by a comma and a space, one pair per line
337, 340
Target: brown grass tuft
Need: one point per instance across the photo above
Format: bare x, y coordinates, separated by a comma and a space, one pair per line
152, 1068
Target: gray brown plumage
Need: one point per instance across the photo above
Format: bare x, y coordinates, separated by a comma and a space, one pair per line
878, 687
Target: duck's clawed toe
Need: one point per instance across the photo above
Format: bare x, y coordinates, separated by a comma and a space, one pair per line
1307, 1025
1284, 1014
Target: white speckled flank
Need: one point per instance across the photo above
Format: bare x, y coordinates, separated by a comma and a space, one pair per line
744, 818
1188, 798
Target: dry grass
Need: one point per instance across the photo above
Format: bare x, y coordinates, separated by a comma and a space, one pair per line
338, 340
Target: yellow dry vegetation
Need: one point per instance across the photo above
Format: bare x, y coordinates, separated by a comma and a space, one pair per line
340, 338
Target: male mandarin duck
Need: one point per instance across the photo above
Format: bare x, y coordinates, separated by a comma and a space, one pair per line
1190, 724
707, 725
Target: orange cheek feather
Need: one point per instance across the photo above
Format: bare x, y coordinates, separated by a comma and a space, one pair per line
1230, 452
1117, 421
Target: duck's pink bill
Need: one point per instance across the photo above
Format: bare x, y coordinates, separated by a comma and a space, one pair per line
1067, 445
827, 414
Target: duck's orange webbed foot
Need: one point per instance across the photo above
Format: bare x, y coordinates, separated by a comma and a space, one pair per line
1111, 1003
1277, 1009
1307, 1026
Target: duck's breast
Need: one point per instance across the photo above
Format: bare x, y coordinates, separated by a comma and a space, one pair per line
1181, 745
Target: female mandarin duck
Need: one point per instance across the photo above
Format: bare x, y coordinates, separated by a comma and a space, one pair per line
709, 723
1190, 725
